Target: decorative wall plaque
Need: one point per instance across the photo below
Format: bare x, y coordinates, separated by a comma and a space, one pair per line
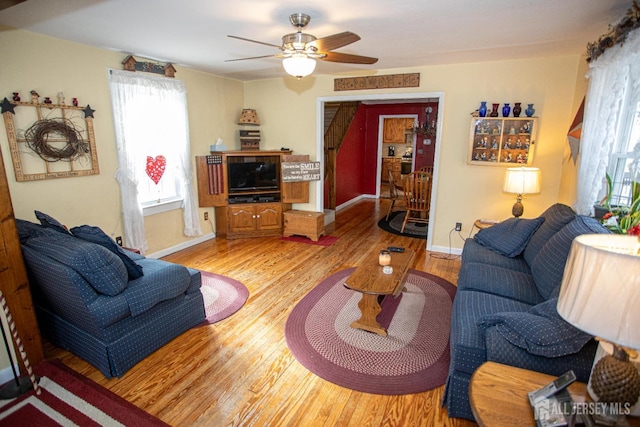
48, 140
388, 81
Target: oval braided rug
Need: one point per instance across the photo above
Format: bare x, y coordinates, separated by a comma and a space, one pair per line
414, 357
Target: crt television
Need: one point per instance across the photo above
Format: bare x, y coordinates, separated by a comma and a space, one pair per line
255, 175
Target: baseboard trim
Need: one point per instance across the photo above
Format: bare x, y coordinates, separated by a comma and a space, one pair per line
446, 250
181, 246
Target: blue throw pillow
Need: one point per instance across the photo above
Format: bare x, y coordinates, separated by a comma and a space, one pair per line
540, 330
51, 222
510, 237
96, 235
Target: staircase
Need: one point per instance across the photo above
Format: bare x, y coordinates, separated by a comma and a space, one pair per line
337, 119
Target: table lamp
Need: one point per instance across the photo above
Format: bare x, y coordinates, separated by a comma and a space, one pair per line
521, 181
249, 117
600, 294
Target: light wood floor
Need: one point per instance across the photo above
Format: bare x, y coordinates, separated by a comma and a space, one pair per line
239, 372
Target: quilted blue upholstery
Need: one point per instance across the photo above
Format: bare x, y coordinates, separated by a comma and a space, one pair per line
491, 284
540, 330
96, 235
112, 332
556, 217
475, 252
510, 237
103, 270
546, 270
50, 222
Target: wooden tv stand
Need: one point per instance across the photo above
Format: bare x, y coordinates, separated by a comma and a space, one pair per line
247, 212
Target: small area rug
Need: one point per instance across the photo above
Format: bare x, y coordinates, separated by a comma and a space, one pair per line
414, 357
322, 241
68, 398
222, 296
394, 225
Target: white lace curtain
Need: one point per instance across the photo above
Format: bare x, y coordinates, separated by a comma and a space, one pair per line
614, 89
125, 87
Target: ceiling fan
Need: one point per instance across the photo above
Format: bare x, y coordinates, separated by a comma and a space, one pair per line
301, 50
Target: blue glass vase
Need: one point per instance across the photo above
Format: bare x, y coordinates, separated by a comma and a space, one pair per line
506, 110
530, 111
482, 111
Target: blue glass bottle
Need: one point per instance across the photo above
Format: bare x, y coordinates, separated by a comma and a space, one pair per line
482, 111
506, 110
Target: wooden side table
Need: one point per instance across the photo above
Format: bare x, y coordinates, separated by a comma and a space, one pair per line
498, 394
481, 225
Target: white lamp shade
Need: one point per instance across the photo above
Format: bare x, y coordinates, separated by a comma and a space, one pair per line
600, 291
299, 65
522, 181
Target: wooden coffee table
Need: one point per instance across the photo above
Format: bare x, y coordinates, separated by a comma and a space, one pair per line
373, 284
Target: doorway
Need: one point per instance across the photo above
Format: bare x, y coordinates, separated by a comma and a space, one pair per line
419, 97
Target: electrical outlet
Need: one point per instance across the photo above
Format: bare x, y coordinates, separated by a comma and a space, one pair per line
458, 226
119, 240
206, 216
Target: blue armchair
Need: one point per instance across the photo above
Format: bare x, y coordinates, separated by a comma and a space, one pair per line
109, 306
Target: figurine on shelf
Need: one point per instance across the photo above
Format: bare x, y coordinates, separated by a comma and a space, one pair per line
483, 157
47, 100
493, 157
494, 144
16, 96
61, 98
519, 159
526, 128
74, 101
35, 97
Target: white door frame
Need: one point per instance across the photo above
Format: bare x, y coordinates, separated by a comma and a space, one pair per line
398, 98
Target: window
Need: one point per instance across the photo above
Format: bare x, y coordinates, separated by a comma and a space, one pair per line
623, 163
610, 142
152, 137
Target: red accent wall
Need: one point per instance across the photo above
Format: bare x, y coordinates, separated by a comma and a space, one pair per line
357, 158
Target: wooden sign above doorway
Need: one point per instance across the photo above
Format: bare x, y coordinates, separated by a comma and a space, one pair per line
388, 81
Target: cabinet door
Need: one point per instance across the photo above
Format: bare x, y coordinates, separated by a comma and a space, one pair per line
268, 216
393, 129
295, 192
241, 218
385, 170
396, 170
211, 177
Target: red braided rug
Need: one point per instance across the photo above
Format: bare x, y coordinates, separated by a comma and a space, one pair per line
414, 357
68, 398
222, 296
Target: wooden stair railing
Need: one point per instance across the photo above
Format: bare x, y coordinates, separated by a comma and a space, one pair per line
333, 137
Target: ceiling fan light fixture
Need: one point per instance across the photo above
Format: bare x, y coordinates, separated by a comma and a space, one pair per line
299, 65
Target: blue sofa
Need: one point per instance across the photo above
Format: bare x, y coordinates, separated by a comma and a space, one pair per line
505, 306
109, 306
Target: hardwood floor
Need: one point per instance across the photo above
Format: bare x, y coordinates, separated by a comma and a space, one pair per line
239, 371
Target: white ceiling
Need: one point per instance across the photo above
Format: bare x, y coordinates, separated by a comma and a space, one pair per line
401, 33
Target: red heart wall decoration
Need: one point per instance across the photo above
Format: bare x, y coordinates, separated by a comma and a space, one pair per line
155, 167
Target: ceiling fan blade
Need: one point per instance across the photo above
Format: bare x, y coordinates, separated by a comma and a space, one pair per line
252, 57
334, 41
255, 41
348, 58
